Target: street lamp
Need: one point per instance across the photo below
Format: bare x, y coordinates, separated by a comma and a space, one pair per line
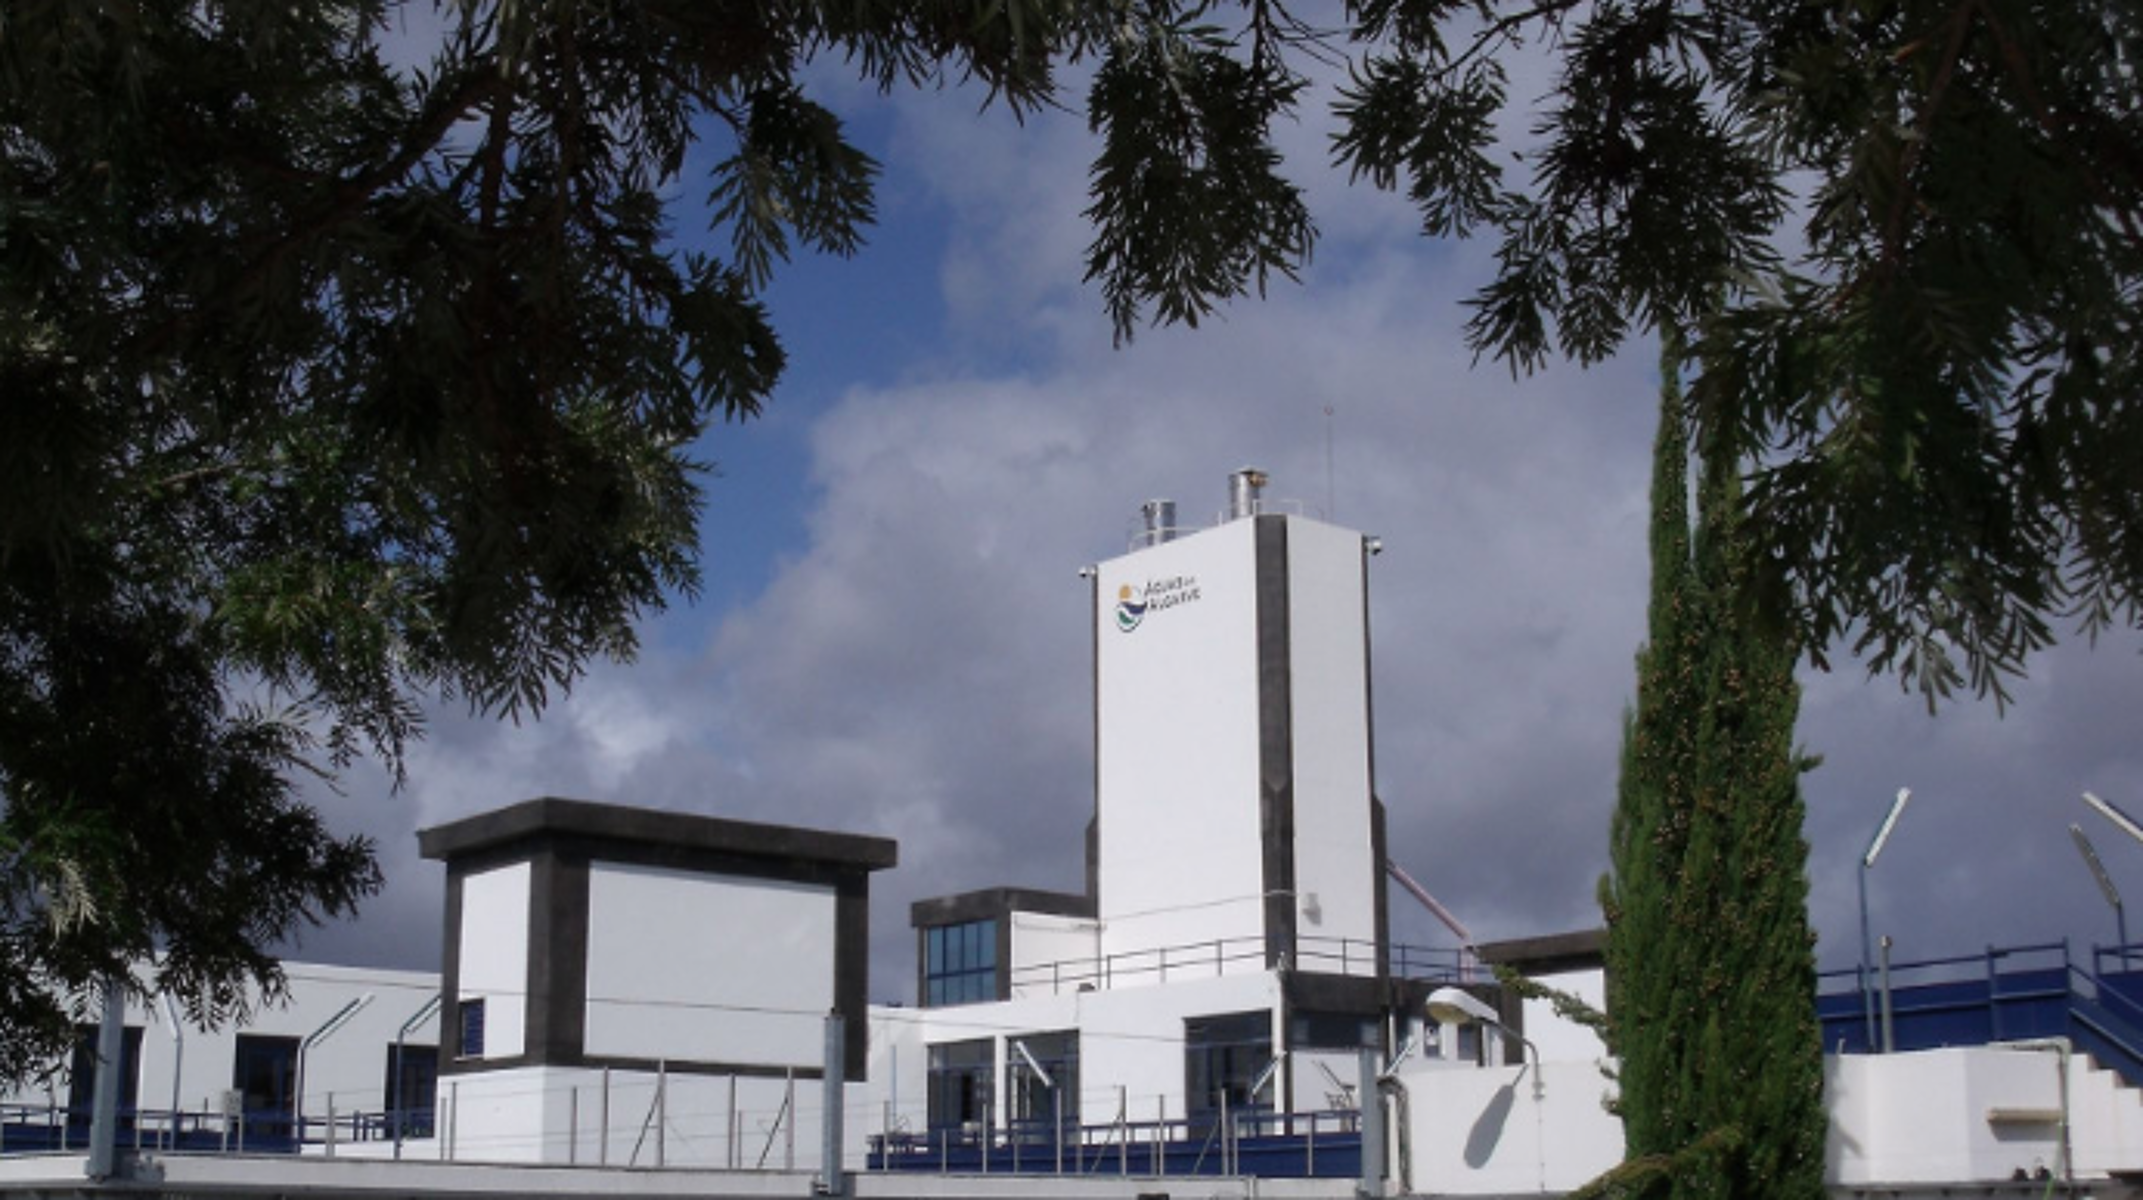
2105, 884
1455, 1006
1867, 948
2126, 824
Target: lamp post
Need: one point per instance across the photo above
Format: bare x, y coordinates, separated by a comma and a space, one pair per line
1867, 948
2105, 885
1455, 1006
2126, 824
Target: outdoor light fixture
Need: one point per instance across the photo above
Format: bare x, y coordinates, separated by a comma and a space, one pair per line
1453, 1006
1867, 949
1456, 1006
2126, 823
1032, 1065
341, 1018
2105, 885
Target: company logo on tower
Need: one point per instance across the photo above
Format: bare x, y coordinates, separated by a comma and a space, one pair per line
1133, 603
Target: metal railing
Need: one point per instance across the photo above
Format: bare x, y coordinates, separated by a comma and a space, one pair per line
2004, 994
1223, 956
1250, 1142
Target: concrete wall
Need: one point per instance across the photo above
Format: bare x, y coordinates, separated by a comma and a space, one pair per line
1130, 1045
712, 968
1501, 1131
1328, 639
1562, 1040
621, 1118
348, 1068
494, 954
1177, 745
1053, 954
1980, 1113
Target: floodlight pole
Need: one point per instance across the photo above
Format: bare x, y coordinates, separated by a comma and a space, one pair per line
1867, 942
2126, 824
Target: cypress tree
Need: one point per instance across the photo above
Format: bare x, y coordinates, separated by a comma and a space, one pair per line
1711, 969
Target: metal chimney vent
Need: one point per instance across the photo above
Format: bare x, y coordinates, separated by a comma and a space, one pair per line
1245, 488
1158, 522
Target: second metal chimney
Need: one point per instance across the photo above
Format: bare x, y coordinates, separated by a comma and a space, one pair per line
1244, 489
1159, 520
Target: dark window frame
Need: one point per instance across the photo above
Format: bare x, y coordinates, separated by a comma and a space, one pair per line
960, 963
1224, 1054
1031, 1106
270, 1111
962, 1085
412, 1088
469, 1016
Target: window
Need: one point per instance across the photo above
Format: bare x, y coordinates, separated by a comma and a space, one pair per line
82, 1074
412, 1087
1034, 1104
960, 1074
1222, 1057
472, 1028
264, 1073
960, 963
1331, 1031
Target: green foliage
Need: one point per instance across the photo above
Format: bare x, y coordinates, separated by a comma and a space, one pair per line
1711, 968
1908, 236
1188, 201
332, 385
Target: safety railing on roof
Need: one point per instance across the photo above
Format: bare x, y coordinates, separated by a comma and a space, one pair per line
39, 1128
1226, 956
1255, 1141
2004, 994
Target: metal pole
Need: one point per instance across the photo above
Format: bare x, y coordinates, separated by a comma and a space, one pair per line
1160, 1133
573, 1127
331, 1124
662, 1111
1889, 1033
832, 1181
178, 1063
602, 1145
1867, 956
1372, 1182
104, 1103
1226, 1167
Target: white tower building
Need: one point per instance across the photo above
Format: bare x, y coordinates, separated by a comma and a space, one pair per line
1234, 795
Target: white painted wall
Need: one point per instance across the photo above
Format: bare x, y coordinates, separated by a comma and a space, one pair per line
494, 954
708, 968
1335, 867
1053, 954
1130, 1045
1561, 1039
1974, 1114
1490, 1131
1177, 746
348, 1068
561, 1115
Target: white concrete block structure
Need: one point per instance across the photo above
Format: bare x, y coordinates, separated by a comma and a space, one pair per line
614, 975
1230, 954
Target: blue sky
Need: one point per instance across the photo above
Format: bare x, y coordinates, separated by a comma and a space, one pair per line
892, 638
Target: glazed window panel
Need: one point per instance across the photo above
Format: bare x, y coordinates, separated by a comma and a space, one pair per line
960, 963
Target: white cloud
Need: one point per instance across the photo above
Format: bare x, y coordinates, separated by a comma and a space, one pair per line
919, 667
